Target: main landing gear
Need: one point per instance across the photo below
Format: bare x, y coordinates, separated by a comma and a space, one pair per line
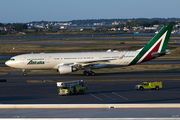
88, 73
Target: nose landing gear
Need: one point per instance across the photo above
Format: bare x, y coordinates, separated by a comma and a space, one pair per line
24, 72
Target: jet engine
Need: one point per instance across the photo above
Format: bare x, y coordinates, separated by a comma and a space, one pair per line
64, 69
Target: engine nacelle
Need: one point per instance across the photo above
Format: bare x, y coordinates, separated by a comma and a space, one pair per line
64, 69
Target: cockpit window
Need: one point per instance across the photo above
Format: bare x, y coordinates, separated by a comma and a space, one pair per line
12, 59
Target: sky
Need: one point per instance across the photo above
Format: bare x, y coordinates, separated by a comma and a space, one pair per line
22, 11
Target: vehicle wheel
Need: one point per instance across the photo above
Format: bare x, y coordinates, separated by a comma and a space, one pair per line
157, 87
141, 88
70, 93
79, 92
82, 91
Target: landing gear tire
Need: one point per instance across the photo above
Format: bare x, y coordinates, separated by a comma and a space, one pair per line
92, 73
24, 74
89, 73
84, 73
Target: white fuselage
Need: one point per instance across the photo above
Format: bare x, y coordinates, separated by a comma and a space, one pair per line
53, 60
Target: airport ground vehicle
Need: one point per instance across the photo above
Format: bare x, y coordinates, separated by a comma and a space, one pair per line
149, 85
71, 87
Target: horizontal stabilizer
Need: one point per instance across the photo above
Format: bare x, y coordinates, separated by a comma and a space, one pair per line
157, 54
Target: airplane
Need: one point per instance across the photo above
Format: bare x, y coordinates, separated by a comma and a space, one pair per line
69, 62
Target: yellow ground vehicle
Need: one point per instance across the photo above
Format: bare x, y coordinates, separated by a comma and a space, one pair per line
71, 87
149, 85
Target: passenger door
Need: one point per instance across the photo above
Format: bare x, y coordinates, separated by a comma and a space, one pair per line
22, 59
47, 59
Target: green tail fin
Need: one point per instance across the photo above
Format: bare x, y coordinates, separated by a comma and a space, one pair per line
157, 44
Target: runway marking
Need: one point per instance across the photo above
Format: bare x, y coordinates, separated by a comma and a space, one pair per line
119, 95
96, 97
107, 96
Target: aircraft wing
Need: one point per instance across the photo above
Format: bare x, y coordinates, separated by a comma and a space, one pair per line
93, 62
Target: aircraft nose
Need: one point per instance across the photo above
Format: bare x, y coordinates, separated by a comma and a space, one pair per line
12, 63
7, 63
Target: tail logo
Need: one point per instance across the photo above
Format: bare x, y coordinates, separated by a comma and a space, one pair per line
157, 44
157, 47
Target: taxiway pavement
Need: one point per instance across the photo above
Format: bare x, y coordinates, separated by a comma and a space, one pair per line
19, 92
101, 76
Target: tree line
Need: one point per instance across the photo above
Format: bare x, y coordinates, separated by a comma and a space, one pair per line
145, 24
15, 26
143, 21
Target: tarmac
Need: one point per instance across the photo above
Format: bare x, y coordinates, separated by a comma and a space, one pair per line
17, 76
16, 91
20, 92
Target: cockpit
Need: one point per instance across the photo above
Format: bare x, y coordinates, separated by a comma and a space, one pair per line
12, 59
12, 62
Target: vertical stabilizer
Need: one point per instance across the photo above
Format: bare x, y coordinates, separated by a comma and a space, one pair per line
157, 44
